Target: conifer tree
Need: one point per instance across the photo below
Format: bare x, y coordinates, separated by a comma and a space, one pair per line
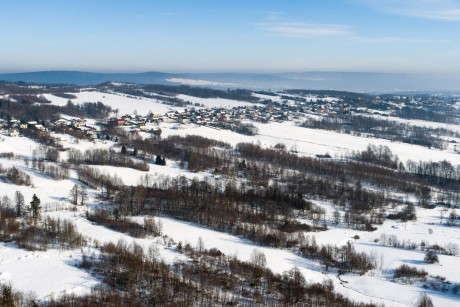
35, 207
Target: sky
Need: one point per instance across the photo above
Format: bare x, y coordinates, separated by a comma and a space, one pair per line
401, 36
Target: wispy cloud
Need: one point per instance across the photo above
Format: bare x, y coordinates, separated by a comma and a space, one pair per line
446, 10
333, 31
304, 30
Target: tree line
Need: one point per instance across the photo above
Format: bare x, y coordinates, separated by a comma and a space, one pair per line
104, 157
381, 128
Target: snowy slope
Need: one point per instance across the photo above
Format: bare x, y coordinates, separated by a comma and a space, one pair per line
310, 142
44, 273
124, 104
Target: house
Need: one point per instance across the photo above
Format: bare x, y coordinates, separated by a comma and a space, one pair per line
223, 118
120, 122
86, 130
14, 123
79, 122
184, 120
62, 122
148, 127
39, 127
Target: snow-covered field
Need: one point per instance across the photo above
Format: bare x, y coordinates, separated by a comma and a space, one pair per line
53, 272
420, 123
133, 177
214, 102
310, 142
306, 141
141, 105
16, 264
124, 104
44, 273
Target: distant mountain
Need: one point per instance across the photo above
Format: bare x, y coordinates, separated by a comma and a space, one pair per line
345, 81
84, 78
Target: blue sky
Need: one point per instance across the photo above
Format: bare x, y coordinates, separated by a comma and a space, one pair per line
409, 36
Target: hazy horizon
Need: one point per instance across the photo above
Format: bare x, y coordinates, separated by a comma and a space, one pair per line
209, 72
178, 36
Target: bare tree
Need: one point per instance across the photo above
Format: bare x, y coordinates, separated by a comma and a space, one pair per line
294, 284
20, 204
200, 245
83, 194
73, 194
6, 202
424, 301
258, 258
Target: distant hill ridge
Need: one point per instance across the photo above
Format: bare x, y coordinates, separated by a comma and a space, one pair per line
83, 78
345, 81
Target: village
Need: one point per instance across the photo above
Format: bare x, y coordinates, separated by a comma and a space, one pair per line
215, 117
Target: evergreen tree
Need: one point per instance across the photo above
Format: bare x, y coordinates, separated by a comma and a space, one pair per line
123, 150
35, 207
160, 160
408, 213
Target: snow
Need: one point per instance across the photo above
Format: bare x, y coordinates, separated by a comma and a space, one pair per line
372, 288
269, 97
419, 122
47, 189
310, 142
56, 269
133, 177
17, 145
141, 105
278, 260
215, 102
426, 228
361, 288
124, 104
43, 273
394, 294
379, 283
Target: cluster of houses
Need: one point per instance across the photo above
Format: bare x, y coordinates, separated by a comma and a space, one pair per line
13, 126
214, 117
199, 116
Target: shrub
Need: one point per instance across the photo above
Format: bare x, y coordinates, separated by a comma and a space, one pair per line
431, 257
409, 272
